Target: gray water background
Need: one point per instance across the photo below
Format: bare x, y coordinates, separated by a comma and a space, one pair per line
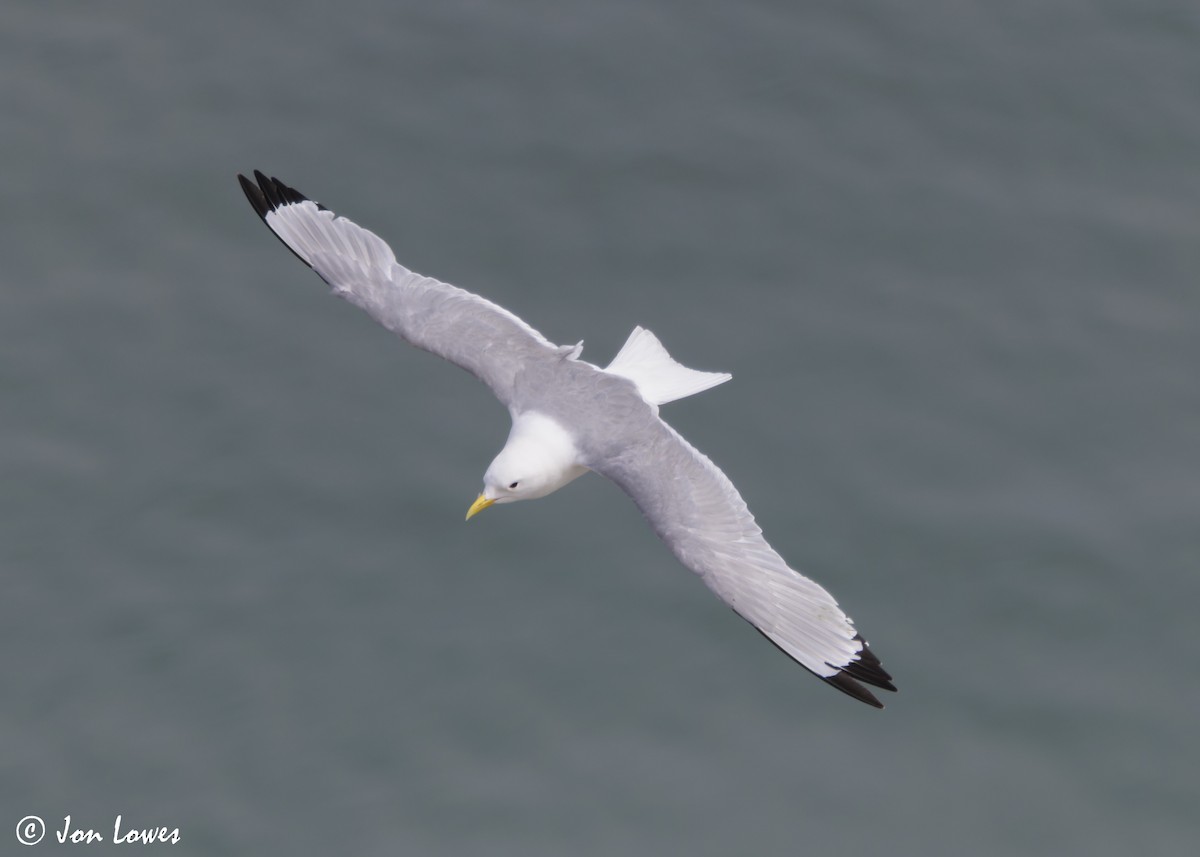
948, 250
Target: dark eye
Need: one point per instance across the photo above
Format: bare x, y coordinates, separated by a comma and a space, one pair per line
514, 485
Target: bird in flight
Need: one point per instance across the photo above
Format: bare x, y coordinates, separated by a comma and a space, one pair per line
569, 417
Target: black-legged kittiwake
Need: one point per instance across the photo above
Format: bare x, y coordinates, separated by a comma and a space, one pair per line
569, 417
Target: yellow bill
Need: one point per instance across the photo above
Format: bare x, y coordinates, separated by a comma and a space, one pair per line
478, 506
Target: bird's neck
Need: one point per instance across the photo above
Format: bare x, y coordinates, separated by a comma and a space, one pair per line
543, 441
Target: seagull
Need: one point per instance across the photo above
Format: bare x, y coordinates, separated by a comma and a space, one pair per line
570, 417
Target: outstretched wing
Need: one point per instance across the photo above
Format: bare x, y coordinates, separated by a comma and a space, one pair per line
695, 509
487, 340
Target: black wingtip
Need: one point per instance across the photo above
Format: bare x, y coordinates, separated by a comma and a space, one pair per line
864, 668
270, 194
267, 194
253, 193
850, 687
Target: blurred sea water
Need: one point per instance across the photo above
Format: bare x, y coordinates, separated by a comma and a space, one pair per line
948, 252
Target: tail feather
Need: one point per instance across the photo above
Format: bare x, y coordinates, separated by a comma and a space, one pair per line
645, 362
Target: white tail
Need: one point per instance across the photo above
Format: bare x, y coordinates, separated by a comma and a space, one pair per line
644, 361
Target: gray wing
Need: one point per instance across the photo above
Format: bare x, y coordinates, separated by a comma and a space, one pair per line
695, 509
487, 340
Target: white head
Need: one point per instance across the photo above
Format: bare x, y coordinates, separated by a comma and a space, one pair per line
539, 458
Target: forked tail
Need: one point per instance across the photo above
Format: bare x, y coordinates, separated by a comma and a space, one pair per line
645, 362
